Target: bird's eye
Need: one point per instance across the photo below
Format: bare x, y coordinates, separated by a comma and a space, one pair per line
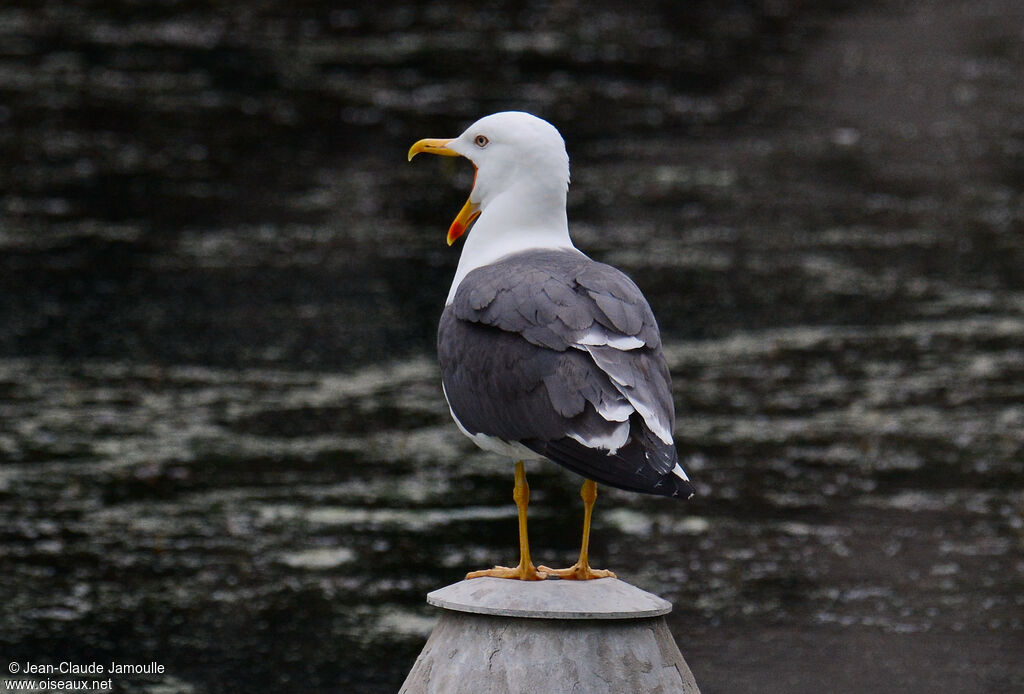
481, 140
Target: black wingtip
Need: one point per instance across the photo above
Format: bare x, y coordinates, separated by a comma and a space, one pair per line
614, 470
684, 489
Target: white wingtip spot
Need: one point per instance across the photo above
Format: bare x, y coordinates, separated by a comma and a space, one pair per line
680, 473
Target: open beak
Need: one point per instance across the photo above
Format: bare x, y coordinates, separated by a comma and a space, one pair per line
470, 210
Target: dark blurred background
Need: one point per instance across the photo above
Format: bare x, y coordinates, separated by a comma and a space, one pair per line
223, 445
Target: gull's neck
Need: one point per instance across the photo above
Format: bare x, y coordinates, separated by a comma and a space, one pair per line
523, 218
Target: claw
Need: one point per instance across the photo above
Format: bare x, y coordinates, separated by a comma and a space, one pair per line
576, 572
521, 572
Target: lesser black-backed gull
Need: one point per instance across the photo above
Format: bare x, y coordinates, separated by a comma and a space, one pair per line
544, 352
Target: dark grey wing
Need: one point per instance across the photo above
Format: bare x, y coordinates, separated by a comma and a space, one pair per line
500, 385
562, 354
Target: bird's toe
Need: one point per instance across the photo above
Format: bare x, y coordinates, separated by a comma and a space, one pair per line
577, 572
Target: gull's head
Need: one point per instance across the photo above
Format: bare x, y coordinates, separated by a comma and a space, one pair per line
513, 152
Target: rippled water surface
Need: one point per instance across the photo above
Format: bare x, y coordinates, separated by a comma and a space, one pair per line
223, 445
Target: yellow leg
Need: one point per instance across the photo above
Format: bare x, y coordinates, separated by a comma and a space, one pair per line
526, 570
581, 570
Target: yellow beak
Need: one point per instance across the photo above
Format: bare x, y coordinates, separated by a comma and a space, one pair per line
432, 146
470, 210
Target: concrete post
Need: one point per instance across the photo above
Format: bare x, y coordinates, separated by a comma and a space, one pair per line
499, 636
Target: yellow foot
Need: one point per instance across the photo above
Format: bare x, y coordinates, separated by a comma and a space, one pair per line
576, 572
522, 572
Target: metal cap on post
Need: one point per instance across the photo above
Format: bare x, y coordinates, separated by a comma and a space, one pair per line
519, 637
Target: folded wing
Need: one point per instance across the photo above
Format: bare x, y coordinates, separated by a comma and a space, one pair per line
561, 354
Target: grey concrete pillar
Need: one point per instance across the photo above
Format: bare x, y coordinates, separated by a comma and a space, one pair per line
499, 636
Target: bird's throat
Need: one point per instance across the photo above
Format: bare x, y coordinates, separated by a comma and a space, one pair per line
503, 229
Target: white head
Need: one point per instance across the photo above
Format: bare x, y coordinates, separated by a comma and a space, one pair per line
522, 174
